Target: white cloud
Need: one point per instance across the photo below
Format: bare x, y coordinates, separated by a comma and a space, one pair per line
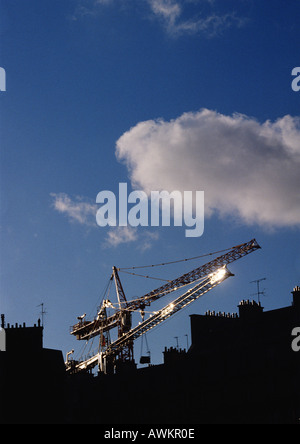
80, 210
169, 10
211, 24
121, 235
247, 169
172, 14
124, 235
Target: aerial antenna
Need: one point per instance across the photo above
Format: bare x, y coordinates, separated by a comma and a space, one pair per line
42, 312
259, 292
177, 342
187, 342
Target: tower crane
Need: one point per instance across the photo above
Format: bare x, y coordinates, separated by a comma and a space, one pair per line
204, 278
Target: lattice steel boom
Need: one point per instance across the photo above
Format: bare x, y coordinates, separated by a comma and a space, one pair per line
206, 278
85, 330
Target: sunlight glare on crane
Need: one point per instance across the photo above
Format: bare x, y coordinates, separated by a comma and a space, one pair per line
218, 275
169, 308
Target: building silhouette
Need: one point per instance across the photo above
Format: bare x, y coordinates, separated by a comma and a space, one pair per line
240, 369
32, 378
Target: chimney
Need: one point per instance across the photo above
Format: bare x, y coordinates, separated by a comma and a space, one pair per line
250, 309
2, 321
296, 297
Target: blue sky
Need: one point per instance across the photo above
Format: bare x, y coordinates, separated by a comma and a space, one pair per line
97, 93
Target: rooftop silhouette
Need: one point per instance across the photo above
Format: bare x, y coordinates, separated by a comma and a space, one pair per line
240, 368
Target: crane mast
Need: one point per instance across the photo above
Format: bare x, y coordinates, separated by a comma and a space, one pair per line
206, 278
124, 326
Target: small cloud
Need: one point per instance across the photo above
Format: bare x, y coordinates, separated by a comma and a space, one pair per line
148, 239
124, 235
79, 210
82, 211
121, 235
174, 15
171, 12
168, 10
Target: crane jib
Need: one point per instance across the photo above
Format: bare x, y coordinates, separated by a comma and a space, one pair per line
91, 329
234, 254
206, 278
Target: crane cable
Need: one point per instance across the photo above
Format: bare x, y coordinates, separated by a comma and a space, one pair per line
173, 262
144, 276
125, 270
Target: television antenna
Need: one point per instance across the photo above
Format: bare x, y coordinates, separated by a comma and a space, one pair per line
259, 292
187, 342
42, 312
